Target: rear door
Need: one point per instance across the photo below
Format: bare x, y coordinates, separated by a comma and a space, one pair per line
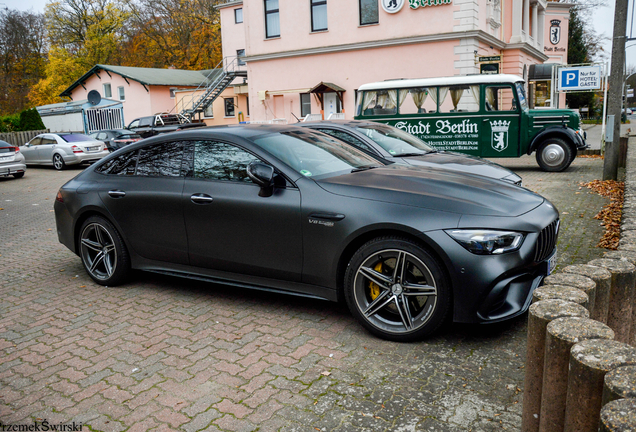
45, 149
142, 191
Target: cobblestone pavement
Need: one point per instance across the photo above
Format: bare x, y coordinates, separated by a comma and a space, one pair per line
162, 353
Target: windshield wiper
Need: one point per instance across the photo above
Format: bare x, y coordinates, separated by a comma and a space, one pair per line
364, 168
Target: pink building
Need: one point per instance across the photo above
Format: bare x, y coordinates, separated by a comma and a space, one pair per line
310, 56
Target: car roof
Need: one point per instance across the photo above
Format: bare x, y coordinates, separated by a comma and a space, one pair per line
443, 81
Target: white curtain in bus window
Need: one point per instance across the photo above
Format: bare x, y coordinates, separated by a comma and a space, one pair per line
443, 105
462, 99
500, 98
368, 102
416, 101
386, 102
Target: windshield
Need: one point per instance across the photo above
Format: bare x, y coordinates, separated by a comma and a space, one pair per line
313, 154
522, 96
76, 138
395, 141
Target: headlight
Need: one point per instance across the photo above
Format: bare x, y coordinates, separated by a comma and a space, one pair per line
487, 242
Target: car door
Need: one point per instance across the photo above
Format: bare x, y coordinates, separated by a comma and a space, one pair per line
499, 131
233, 229
45, 149
30, 150
142, 191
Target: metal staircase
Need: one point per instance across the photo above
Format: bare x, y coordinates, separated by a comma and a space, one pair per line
230, 69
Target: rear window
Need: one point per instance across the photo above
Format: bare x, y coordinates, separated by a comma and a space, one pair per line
4, 144
76, 138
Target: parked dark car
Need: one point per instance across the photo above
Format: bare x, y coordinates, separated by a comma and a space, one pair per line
287, 209
114, 139
161, 123
393, 144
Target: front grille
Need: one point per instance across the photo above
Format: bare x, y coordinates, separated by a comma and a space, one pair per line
546, 241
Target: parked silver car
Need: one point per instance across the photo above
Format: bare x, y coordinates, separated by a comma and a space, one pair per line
62, 149
11, 160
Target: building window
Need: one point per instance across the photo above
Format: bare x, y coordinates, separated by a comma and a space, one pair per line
238, 15
368, 12
172, 93
229, 107
208, 112
122, 95
272, 19
318, 15
305, 104
107, 92
239, 55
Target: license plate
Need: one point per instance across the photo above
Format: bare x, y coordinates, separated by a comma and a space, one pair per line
92, 148
7, 158
552, 262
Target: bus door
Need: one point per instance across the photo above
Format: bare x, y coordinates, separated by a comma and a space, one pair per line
499, 129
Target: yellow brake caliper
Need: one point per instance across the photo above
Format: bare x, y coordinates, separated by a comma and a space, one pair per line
374, 289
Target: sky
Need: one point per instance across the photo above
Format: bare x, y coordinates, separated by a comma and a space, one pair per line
603, 22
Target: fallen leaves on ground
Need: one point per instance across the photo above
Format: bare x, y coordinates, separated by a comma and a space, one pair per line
611, 213
591, 156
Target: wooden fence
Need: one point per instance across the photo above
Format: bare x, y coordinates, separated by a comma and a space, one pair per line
20, 138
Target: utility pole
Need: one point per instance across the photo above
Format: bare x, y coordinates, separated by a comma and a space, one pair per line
617, 77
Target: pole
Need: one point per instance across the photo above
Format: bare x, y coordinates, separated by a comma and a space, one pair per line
610, 165
605, 84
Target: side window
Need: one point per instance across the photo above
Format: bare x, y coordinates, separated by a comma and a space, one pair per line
46, 140
417, 100
161, 160
220, 161
36, 141
146, 121
379, 102
134, 123
368, 12
462, 98
123, 165
500, 98
343, 136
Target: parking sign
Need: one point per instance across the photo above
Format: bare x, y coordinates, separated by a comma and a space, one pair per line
579, 78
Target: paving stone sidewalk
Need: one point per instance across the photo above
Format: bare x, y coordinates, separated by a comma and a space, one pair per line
162, 353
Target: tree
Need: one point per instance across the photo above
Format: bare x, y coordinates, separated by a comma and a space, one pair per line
580, 43
22, 57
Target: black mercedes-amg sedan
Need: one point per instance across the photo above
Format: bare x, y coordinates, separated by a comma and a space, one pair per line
292, 210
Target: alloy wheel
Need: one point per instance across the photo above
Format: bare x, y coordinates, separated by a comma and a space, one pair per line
98, 251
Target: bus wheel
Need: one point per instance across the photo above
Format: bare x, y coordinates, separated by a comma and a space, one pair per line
554, 155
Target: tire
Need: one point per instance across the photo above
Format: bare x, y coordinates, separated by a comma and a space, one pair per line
554, 155
103, 252
18, 175
58, 162
383, 300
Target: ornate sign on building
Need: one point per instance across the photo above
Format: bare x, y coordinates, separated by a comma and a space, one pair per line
555, 31
414, 4
392, 6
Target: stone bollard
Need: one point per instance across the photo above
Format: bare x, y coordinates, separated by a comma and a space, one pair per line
584, 283
590, 360
562, 292
562, 334
630, 256
539, 315
618, 416
620, 383
619, 312
603, 279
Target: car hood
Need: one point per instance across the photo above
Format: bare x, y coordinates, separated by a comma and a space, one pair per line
437, 189
463, 163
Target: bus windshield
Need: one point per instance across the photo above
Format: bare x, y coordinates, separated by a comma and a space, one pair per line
395, 141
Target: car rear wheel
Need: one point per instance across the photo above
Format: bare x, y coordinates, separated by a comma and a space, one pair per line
18, 175
554, 155
396, 289
103, 252
58, 162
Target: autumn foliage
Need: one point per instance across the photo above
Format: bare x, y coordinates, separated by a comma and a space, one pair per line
48, 52
611, 213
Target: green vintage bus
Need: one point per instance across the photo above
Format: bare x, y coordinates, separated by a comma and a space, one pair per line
480, 115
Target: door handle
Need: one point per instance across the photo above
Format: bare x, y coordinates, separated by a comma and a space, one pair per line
117, 194
327, 216
200, 198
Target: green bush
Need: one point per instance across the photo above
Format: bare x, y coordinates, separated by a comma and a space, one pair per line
27, 120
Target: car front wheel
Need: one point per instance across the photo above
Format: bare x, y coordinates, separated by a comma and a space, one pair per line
554, 155
103, 252
396, 289
58, 162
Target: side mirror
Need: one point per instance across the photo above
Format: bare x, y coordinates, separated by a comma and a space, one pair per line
263, 175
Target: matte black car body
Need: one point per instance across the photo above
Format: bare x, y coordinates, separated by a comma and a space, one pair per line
348, 131
302, 235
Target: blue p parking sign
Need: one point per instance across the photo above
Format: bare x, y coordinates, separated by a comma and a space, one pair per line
580, 78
